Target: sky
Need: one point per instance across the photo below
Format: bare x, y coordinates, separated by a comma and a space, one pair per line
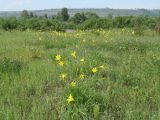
16, 5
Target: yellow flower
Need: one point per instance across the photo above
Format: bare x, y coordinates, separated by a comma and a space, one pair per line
133, 33
58, 57
102, 66
82, 60
81, 76
63, 76
84, 40
61, 63
94, 70
73, 54
73, 84
70, 99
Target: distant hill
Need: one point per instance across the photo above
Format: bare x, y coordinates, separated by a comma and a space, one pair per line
101, 12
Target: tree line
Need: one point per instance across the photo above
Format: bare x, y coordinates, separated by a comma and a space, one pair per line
89, 20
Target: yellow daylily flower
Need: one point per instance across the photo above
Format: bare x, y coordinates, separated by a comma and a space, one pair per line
70, 99
82, 60
102, 66
81, 76
94, 70
58, 57
73, 54
63, 76
61, 63
72, 84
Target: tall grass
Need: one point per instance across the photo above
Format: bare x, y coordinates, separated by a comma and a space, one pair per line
126, 85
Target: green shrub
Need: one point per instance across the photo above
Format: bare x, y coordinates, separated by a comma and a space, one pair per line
79, 18
138, 26
22, 24
9, 23
89, 24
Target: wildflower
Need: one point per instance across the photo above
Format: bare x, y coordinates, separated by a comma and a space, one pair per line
133, 33
102, 66
73, 54
82, 60
72, 84
63, 76
94, 70
70, 99
81, 76
61, 63
84, 40
58, 57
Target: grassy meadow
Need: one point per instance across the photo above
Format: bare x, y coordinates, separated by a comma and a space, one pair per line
84, 75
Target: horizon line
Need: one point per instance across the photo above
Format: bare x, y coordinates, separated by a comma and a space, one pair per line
80, 8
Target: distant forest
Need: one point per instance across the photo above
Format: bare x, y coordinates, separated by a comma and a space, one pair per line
100, 12
82, 20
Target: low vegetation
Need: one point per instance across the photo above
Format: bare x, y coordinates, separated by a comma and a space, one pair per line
83, 75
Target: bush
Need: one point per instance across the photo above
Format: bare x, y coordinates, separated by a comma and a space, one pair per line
89, 24
33, 24
118, 22
104, 23
79, 18
70, 25
9, 23
22, 24
138, 26
57, 26
90, 15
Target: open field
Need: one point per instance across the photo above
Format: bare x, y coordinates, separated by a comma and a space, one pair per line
84, 75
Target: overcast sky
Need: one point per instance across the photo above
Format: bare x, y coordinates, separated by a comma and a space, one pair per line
16, 5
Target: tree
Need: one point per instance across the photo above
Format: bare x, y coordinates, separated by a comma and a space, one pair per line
79, 18
110, 16
58, 16
45, 16
31, 15
65, 15
91, 15
25, 14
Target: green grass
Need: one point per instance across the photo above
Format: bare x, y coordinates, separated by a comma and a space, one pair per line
127, 88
